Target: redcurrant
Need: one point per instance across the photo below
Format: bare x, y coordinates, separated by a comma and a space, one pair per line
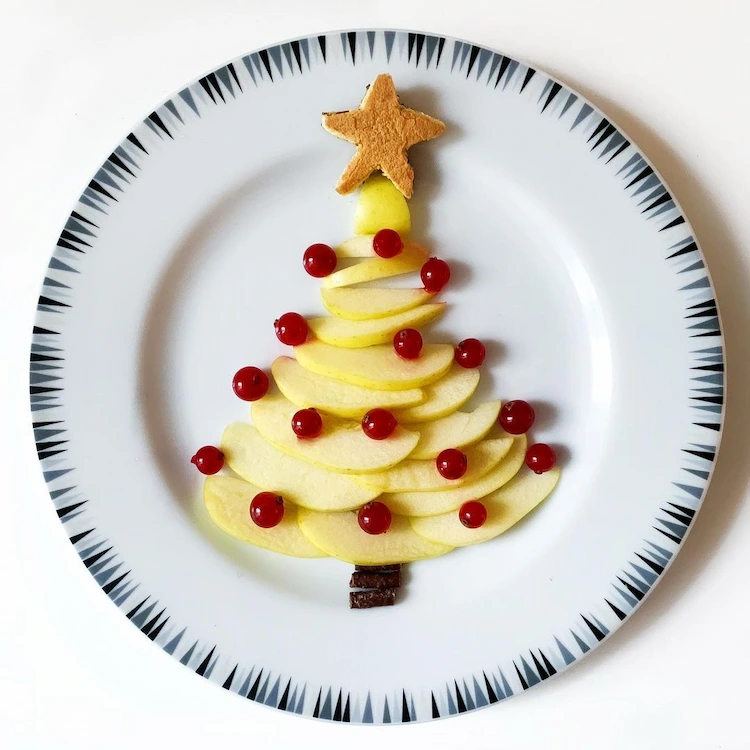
267, 509
250, 383
387, 243
472, 514
306, 423
470, 353
374, 518
451, 463
291, 329
319, 260
516, 417
435, 274
208, 459
379, 424
540, 457
408, 343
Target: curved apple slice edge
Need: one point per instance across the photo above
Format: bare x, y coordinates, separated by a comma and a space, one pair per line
342, 447
442, 397
339, 535
456, 430
421, 475
376, 367
359, 334
505, 507
307, 389
360, 304
228, 503
261, 464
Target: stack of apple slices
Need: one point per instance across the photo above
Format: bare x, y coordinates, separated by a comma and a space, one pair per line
346, 368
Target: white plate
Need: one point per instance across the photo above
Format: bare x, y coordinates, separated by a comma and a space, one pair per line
570, 257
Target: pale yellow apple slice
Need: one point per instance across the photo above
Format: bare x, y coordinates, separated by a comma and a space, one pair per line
410, 259
422, 476
505, 507
342, 447
443, 501
381, 206
369, 303
339, 535
456, 430
297, 481
356, 334
443, 397
356, 247
308, 389
376, 366
228, 502
361, 247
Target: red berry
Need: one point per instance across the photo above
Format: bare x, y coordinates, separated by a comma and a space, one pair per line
472, 514
408, 343
306, 423
387, 243
291, 329
516, 417
540, 457
379, 424
435, 275
451, 463
208, 460
319, 260
470, 353
267, 509
250, 383
374, 518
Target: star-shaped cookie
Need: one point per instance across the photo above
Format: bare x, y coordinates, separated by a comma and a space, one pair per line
383, 131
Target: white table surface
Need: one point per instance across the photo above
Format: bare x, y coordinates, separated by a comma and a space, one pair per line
76, 75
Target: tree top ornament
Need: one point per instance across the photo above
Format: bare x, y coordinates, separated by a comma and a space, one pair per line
383, 131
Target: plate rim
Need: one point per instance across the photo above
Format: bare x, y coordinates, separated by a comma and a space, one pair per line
49, 435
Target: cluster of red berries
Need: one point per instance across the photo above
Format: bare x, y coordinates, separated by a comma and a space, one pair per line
266, 508
251, 384
320, 260
516, 418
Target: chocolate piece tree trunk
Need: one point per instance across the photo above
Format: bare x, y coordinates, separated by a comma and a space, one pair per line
375, 586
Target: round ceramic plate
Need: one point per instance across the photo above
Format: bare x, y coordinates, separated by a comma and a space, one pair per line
571, 259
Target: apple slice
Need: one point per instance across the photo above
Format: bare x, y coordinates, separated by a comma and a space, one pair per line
228, 502
410, 259
361, 247
376, 366
339, 535
423, 476
505, 507
299, 482
381, 206
456, 430
356, 247
443, 397
308, 389
368, 303
342, 447
356, 334
443, 501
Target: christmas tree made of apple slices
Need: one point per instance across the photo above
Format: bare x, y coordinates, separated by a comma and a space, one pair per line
396, 471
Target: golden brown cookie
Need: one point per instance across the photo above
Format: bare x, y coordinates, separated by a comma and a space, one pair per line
383, 131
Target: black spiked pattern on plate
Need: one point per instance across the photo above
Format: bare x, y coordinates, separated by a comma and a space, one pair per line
650, 199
